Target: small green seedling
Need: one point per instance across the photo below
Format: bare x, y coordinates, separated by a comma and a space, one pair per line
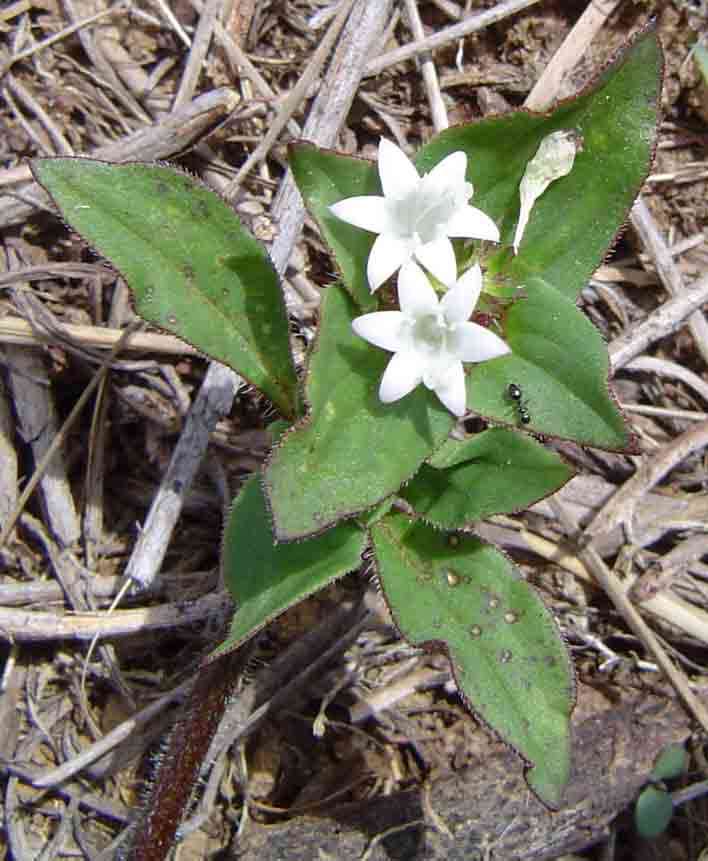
700, 56
654, 807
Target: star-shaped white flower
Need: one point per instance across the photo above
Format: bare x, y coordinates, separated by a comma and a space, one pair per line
430, 337
417, 215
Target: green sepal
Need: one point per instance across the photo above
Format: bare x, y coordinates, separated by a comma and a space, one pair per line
190, 264
266, 579
577, 218
495, 472
352, 451
507, 654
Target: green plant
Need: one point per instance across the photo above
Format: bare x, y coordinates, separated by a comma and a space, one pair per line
367, 461
654, 808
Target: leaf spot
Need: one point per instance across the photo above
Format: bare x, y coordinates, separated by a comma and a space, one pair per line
188, 271
475, 631
452, 578
505, 656
510, 617
200, 209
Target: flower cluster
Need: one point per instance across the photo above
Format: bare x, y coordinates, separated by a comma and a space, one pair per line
415, 220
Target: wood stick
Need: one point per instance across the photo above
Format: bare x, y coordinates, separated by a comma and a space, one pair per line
170, 135
470, 25
328, 112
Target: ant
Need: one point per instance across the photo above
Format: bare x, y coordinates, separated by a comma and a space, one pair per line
513, 390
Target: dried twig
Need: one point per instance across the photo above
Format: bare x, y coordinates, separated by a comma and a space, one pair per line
438, 110
667, 269
8, 459
327, 115
211, 404
170, 135
666, 606
29, 626
200, 44
23, 95
112, 739
669, 568
666, 319
52, 447
549, 86
62, 34
38, 424
470, 25
617, 594
13, 330
106, 71
620, 509
664, 368
293, 100
103, 588
241, 66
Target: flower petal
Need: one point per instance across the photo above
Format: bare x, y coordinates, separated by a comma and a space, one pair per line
438, 257
460, 300
416, 295
451, 390
396, 171
450, 172
386, 255
382, 329
474, 343
369, 212
403, 373
472, 223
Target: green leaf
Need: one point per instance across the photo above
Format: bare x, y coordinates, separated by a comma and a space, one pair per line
192, 267
560, 362
372, 515
352, 451
672, 762
506, 651
324, 178
276, 430
495, 472
653, 812
266, 578
700, 56
576, 219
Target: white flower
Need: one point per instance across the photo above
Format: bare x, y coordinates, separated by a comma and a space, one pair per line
417, 215
430, 338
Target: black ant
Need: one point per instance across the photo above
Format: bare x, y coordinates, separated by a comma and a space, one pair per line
513, 390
